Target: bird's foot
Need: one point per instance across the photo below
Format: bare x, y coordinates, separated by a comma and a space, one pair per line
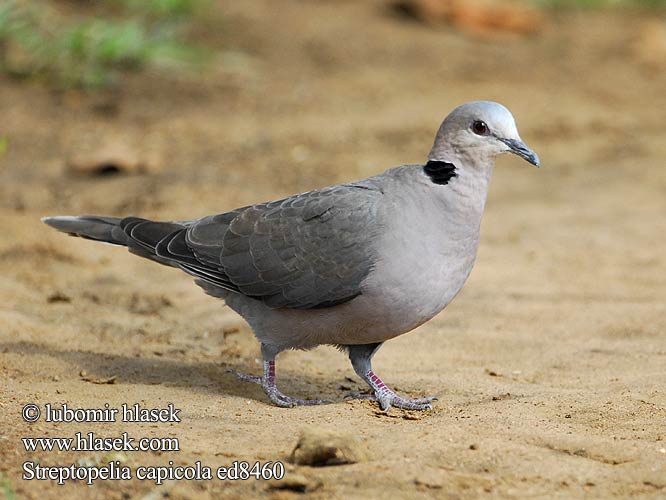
274, 394
245, 377
387, 399
280, 399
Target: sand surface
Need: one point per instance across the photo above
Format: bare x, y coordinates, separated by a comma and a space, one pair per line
550, 366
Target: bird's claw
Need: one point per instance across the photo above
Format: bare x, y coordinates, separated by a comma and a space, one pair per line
245, 377
420, 404
368, 396
274, 394
388, 399
284, 401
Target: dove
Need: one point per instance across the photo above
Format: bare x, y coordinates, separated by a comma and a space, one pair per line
352, 265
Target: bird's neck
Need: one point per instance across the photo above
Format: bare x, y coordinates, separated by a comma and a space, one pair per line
464, 192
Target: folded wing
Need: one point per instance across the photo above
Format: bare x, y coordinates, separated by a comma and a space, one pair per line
307, 251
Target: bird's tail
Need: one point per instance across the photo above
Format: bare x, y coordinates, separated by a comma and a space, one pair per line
141, 236
92, 227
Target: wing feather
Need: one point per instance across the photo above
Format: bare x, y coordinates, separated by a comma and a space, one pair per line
306, 251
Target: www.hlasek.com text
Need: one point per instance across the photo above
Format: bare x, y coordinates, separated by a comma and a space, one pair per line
91, 442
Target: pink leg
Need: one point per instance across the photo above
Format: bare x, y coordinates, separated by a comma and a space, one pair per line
387, 398
267, 382
361, 356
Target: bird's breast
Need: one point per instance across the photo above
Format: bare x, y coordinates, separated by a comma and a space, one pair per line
422, 263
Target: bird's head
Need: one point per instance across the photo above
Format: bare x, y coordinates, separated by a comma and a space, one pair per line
478, 131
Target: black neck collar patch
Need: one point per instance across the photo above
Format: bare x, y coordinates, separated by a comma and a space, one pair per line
440, 172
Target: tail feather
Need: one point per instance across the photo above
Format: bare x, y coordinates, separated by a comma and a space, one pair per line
147, 232
93, 227
163, 242
141, 236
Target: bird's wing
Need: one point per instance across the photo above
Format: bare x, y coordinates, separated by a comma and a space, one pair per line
307, 251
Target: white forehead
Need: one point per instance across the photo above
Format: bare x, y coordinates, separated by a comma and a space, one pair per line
498, 118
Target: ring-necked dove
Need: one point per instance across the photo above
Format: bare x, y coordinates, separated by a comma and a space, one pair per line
352, 265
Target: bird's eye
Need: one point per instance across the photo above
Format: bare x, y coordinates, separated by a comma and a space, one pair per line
479, 127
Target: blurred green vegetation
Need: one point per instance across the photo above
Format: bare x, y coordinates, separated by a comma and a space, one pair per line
97, 41
4, 144
6, 488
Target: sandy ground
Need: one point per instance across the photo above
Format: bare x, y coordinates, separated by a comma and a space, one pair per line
550, 365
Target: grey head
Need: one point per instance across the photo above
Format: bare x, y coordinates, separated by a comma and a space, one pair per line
475, 132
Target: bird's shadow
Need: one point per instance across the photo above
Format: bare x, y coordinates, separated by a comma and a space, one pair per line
204, 376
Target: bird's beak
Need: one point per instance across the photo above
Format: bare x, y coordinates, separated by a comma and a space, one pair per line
519, 148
